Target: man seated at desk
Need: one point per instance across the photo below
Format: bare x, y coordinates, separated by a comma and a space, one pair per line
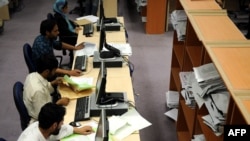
37, 89
50, 127
45, 43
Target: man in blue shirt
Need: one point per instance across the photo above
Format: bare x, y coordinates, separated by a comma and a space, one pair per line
46, 42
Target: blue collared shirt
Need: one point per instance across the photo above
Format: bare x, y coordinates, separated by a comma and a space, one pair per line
43, 46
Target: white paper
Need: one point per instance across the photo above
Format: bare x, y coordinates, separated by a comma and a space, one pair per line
135, 119
90, 18
115, 123
173, 114
124, 48
124, 132
89, 49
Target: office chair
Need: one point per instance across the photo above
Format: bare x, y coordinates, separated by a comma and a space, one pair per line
27, 52
50, 16
18, 98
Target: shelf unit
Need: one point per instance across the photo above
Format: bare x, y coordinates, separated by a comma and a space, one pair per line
211, 37
156, 16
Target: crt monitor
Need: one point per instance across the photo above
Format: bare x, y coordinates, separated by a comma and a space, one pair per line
102, 131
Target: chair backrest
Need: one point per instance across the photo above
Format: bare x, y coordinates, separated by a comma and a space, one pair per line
27, 52
21, 108
50, 16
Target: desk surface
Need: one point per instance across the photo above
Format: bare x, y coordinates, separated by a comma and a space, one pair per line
118, 79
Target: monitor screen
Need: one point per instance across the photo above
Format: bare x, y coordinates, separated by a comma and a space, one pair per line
102, 131
101, 84
101, 8
102, 36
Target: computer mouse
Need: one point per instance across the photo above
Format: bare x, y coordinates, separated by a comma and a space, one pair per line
75, 124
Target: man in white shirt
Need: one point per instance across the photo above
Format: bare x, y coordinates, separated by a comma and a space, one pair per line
50, 127
37, 89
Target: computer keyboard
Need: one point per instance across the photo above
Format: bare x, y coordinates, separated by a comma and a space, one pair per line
81, 62
88, 29
82, 109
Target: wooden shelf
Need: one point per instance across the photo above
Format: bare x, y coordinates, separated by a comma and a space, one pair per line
211, 36
189, 115
175, 73
195, 55
156, 16
183, 136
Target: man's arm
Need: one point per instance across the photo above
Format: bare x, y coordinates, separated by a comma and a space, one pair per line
70, 47
69, 72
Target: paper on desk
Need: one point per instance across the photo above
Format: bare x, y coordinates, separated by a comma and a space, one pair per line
115, 123
124, 48
134, 119
86, 19
90, 137
79, 83
89, 49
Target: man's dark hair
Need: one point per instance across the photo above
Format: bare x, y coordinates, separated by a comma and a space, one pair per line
47, 25
49, 114
46, 62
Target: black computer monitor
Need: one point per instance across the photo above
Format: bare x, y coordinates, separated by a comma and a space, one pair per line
102, 98
102, 14
102, 36
102, 132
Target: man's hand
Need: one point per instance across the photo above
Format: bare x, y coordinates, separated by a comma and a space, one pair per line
75, 72
57, 81
80, 46
63, 101
86, 130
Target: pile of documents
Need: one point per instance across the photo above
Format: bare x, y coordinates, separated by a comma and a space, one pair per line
186, 79
172, 98
179, 20
209, 79
210, 90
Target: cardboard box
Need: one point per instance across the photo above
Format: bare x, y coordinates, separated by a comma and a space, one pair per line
4, 12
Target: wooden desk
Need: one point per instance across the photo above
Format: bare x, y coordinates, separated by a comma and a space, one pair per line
118, 79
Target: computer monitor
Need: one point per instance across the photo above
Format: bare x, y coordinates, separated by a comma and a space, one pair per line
102, 98
102, 132
102, 14
112, 52
102, 36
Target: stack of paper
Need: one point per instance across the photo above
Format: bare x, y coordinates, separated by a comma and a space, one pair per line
179, 20
172, 99
209, 79
189, 97
78, 83
186, 79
